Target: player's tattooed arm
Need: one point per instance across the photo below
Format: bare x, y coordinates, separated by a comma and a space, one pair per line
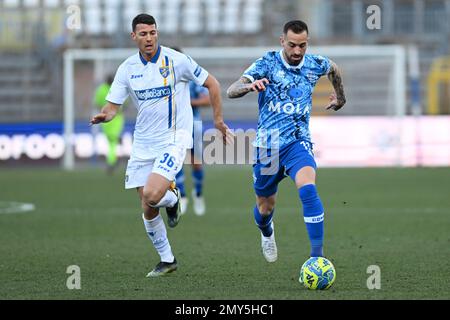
239, 88
337, 100
244, 85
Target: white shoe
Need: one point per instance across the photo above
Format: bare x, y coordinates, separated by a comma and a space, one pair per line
183, 204
199, 204
269, 246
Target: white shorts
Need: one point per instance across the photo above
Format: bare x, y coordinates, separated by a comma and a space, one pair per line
167, 164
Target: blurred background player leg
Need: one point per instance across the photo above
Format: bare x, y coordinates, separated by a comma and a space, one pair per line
112, 129
198, 174
184, 201
197, 193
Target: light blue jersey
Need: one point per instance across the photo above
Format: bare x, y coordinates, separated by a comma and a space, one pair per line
285, 105
196, 91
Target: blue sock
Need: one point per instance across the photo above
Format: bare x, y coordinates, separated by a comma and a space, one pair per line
197, 176
263, 222
313, 215
179, 180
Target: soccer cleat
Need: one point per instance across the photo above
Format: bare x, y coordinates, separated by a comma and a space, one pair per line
183, 204
173, 213
269, 246
199, 204
163, 268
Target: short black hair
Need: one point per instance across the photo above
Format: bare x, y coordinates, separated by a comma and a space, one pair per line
296, 26
143, 18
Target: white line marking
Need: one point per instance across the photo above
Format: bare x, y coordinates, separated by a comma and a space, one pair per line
8, 207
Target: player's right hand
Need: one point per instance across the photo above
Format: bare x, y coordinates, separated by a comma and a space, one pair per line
259, 85
335, 103
101, 117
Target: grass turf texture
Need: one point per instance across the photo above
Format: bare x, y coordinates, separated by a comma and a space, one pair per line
397, 219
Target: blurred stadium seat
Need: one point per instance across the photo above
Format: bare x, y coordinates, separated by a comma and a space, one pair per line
192, 17
252, 14
226, 22
32, 43
11, 3
93, 13
212, 16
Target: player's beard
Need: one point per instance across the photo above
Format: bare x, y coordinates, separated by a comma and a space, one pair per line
295, 62
289, 60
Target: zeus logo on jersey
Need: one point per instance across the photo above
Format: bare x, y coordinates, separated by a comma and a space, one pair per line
288, 108
137, 76
153, 93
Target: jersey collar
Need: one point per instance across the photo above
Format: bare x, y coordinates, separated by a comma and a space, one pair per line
152, 60
287, 65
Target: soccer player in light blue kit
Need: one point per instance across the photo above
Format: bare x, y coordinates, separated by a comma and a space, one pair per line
285, 81
199, 99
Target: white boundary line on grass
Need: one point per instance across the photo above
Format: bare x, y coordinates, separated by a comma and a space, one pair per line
10, 207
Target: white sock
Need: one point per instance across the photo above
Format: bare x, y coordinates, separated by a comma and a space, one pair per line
168, 200
156, 230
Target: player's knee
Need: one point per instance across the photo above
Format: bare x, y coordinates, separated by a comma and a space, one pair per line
152, 196
305, 176
265, 208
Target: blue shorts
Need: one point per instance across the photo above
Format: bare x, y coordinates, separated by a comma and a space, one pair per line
272, 166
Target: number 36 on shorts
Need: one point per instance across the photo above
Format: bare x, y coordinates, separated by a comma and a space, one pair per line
168, 160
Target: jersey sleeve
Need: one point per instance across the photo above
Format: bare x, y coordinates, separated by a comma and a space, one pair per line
257, 70
323, 63
190, 70
118, 92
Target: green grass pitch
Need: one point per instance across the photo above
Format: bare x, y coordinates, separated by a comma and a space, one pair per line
397, 219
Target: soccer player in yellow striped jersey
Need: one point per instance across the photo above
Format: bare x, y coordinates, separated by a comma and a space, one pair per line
157, 81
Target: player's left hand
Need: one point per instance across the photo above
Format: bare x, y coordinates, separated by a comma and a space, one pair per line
98, 118
335, 103
227, 135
